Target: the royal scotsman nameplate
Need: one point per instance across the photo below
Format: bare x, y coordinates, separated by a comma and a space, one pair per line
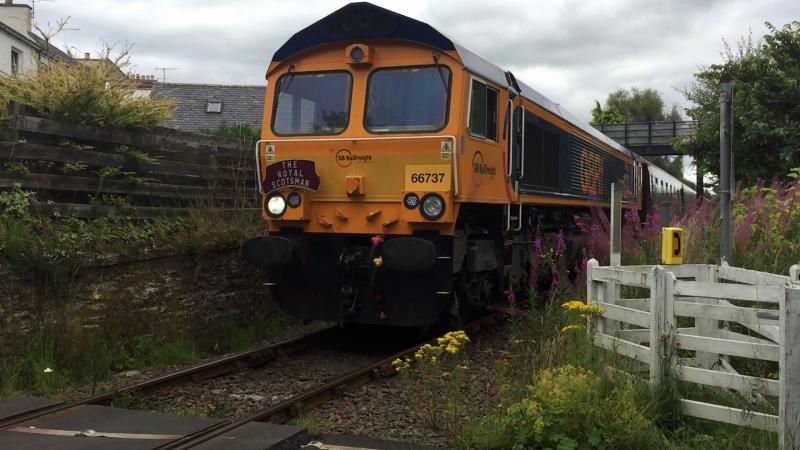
301, 173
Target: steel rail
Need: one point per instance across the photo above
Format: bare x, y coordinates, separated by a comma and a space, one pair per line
212, 369
296, 405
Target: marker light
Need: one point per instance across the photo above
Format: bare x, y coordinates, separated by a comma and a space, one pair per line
357, 54
432, 206
276, 205
411, 200
294, 199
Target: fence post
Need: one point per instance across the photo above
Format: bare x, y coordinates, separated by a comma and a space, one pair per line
789, 400
662, 320
592, 291
707, 327
794, 273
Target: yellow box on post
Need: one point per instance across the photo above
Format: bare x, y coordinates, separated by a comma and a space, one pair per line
672, 245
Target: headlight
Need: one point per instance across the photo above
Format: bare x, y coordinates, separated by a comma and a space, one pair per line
411, 200
432, 206
294, 199
276, 205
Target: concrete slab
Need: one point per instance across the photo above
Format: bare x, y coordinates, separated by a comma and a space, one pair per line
259, 436
93, 427
344, 442
20, 405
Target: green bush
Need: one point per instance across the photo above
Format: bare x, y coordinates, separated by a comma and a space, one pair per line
569, 408
90, 93
241, 131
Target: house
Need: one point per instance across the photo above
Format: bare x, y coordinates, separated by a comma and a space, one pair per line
206, 106
20, 48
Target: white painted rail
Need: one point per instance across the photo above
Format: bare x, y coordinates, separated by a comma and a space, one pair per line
765, 309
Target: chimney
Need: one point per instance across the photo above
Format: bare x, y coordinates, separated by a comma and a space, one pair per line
17, 16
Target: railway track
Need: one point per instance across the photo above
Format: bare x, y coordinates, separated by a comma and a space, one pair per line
233, 363
305, 401
278, 413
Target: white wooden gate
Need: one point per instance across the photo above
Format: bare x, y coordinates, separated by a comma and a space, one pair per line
646, 329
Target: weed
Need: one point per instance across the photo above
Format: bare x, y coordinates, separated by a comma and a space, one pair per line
75, 146
234, 336
127, 400
314, 425
135, 154
435, 381
76, 167
17, 167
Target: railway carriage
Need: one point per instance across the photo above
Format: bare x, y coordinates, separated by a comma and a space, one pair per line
403, 176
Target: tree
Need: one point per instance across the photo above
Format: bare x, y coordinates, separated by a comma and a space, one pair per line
602, 116
766, 106
637, 105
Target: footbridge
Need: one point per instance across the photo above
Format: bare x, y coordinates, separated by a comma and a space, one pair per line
649, 138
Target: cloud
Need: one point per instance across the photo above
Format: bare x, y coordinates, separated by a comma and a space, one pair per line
572, 51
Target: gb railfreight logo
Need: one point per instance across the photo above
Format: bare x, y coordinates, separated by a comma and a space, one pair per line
480, 169
344, 158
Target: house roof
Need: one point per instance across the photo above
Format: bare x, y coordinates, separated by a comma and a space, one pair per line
36, 42
240, 105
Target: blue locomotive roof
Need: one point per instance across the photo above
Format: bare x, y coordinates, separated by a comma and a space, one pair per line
367, 21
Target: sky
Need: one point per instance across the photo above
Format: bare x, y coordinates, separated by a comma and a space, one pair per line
572, 51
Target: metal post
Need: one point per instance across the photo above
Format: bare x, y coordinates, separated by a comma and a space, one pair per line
699, 189
666, 213
726, 100
616, 224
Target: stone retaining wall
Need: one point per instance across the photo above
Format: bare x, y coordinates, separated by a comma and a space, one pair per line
160, 296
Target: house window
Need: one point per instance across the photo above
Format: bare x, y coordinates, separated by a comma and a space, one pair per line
483, 111
16, 58
214, 106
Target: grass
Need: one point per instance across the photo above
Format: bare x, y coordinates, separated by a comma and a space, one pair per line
52, 359
51, 251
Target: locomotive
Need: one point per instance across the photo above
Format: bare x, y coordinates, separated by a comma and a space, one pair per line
403, 176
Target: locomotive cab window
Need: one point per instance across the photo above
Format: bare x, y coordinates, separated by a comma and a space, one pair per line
312, 103
483, 111
407, 99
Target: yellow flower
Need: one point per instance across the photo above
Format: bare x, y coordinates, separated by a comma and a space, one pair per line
433, 359
401, 365
583, 308
571, 328
378, 261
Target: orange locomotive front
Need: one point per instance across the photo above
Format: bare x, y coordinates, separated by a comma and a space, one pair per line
394, 176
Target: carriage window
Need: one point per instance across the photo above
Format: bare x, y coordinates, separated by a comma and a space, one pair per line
407, 99
483, 111
312, 103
